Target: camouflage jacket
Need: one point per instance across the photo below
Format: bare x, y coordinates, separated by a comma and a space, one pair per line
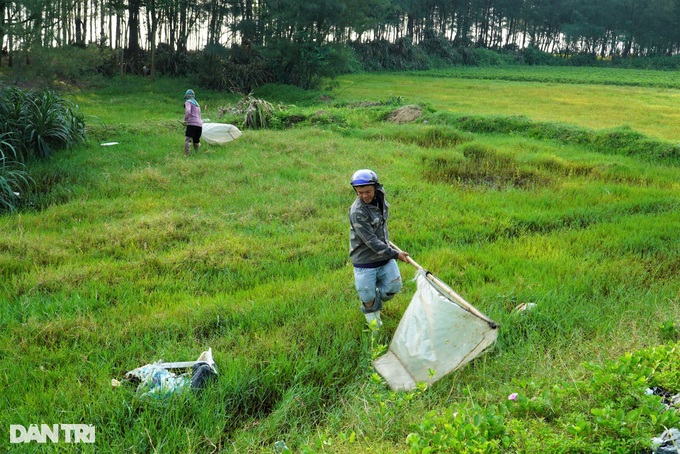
369, 241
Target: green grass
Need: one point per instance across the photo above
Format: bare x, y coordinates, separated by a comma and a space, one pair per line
566, 74
596, 98
136, 253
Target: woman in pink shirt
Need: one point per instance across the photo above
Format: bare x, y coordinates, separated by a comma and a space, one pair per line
193, 122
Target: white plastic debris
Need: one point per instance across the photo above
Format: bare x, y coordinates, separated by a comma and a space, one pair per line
525, 307
668, 442
156, 380
280, 446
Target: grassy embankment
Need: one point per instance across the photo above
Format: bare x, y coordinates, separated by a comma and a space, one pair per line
148, 255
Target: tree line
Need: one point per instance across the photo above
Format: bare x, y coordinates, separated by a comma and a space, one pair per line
605, 27
316, 29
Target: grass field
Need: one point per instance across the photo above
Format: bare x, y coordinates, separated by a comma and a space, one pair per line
136, 253
595, 98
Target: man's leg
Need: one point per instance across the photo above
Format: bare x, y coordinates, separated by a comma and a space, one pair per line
187, 146
388, 281
365, 281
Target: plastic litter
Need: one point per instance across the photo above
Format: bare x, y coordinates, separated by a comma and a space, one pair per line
156, 380
525, 307
219, 133
669, 399
201, 373
280, 446
668, 442
108, 144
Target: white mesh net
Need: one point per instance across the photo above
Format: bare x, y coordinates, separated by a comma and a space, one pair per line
435, 336
219, 133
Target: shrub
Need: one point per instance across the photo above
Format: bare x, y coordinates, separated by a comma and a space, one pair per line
487, 57
469, 55
72, 64
304, 63
239, 69
13, 179
531, 55
436, 45
256, 113
170, 62
33, 125
648, 62
384, 55
582, 59
36, 124
477, 429
618, 409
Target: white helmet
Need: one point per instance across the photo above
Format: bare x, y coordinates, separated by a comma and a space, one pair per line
364, 177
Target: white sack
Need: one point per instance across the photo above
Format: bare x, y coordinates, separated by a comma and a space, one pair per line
434, 334
219, 133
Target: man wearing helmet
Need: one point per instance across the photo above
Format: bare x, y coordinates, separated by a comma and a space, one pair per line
376, 274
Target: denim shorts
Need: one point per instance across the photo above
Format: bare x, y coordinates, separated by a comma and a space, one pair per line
377, 284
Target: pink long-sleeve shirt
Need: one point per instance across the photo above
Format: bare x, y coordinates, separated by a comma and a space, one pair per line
192, 114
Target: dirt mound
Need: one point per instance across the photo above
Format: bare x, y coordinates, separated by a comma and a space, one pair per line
405, 114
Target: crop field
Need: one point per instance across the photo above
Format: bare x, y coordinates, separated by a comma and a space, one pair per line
579, 75
548, 186
596, 98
